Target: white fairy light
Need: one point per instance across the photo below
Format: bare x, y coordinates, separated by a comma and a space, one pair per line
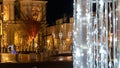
110, 15
92, 34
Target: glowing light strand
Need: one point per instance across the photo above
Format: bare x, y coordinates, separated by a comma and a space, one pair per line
92, 37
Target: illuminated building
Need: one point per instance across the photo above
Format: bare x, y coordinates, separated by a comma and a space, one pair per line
23, 23
59, 36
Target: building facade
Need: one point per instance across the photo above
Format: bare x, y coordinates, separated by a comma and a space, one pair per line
23, 24
59, 36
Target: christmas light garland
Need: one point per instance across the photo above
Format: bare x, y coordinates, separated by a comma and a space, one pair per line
95, 34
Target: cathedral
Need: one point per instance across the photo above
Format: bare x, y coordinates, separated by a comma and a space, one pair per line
23, 24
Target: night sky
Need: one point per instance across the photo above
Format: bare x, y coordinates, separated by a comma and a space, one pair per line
57, 9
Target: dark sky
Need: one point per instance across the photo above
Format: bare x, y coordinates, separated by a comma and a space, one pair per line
57, 8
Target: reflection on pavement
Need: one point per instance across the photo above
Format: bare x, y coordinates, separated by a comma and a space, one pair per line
21, 58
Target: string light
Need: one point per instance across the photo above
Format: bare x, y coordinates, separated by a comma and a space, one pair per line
94, 46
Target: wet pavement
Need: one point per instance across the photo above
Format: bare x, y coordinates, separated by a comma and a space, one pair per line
22, 58
31, 61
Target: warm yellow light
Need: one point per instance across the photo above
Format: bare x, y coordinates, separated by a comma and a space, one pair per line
68, 39
48, 41
55, 41
5, 18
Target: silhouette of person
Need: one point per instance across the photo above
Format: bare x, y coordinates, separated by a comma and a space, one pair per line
12, 49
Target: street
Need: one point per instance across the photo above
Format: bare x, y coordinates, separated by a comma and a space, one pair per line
37, 65
31, 61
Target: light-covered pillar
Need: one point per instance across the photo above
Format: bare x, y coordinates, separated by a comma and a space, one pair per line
118, 31
81, 19
95, 34
118, 26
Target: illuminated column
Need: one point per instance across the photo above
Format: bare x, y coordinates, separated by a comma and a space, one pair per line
1, 50
95, 34
8, 9
118, 16
81, 9
11, 10
118, 30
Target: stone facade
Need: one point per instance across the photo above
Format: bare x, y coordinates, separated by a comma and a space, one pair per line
59, 36
25, 30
